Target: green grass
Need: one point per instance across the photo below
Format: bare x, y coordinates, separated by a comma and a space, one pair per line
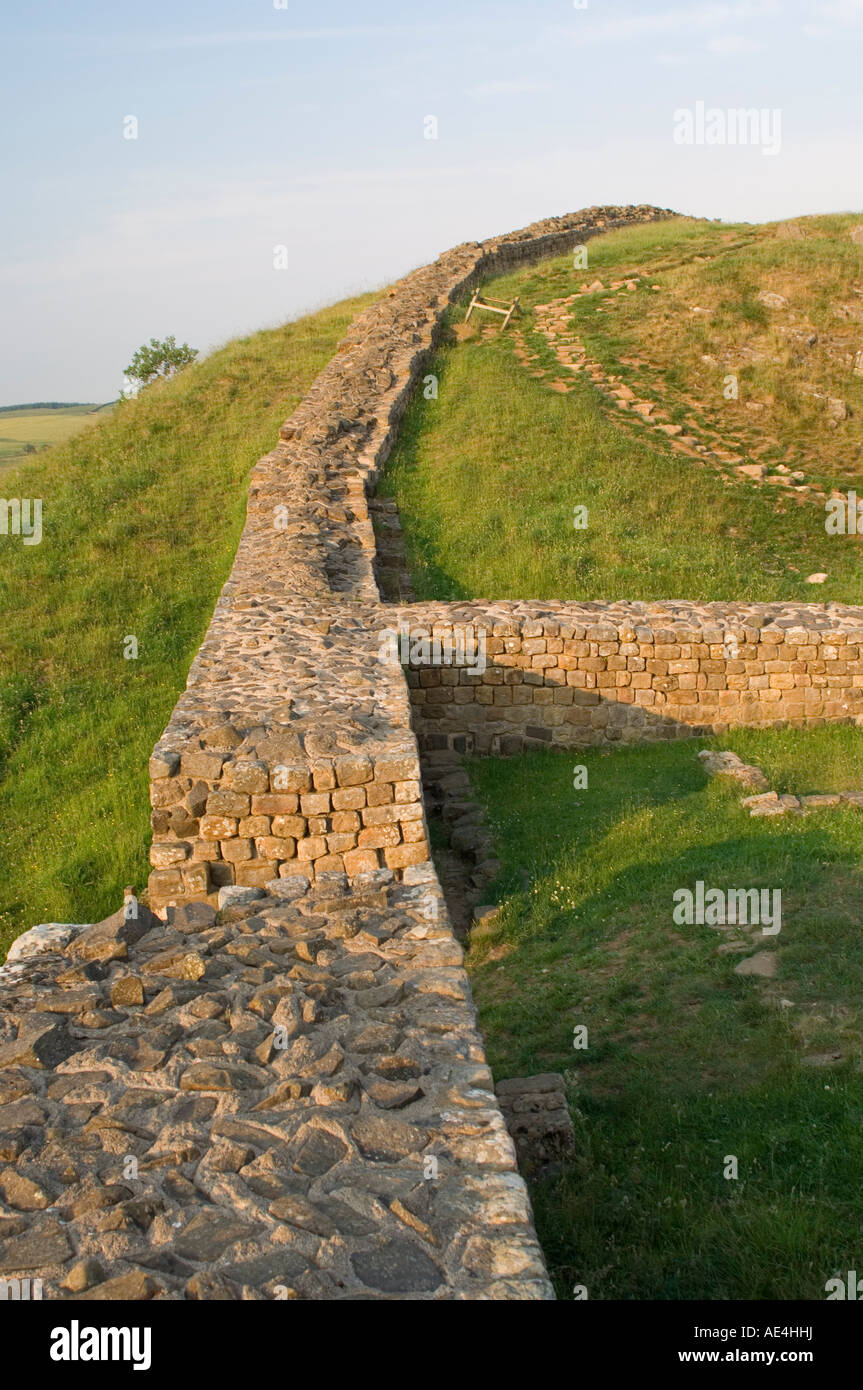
486, 476
688, 354
687, 1062
140, 523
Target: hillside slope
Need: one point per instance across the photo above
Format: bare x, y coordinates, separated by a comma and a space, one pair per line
609, 393
141, 517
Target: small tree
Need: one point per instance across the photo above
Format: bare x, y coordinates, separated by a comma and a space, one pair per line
158, 360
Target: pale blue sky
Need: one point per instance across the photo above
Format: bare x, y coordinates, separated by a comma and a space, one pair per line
304, 127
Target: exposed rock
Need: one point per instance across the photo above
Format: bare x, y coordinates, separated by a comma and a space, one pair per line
124, 1288
41, 1042
537, 1116
42, 1247
110, 938
771, 300
763, 964
49, 936
727, 764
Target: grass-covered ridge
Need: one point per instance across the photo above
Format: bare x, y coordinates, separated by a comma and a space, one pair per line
781, 307
141, 517
686, 1062
487, 474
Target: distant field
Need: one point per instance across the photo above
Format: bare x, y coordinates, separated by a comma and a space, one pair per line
40, 429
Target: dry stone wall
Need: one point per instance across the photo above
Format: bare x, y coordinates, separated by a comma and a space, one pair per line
570, 675
274, 1086
292, 750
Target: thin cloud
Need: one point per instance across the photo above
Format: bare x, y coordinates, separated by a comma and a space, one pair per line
732, 45
833, 17
842, 11
623, 28
163, 43
507, 88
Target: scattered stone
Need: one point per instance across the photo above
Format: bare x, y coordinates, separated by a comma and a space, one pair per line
111, 938
191, 917
762, 964
176, 964
126, 990
41, 1247
21, 1192
206, 1287
125, 1288
727, 764
813, 803
41, 1042
234, 896
764, 804
83, 1275
48, 937
771, 300
537, 1116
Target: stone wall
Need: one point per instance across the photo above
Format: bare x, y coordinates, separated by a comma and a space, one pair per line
285, 1100
275, 1088
292, 750
570, 675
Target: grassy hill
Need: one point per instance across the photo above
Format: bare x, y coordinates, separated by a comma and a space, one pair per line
610, 392
686, 1062
487, 475
141, 517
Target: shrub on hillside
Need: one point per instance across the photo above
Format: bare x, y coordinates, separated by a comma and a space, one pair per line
158, 361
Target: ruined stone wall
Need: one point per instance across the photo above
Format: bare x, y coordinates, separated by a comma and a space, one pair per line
276, 1087
292, 750
568, 675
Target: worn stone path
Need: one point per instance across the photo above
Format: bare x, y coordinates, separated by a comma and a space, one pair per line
644, 412
287, 1099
